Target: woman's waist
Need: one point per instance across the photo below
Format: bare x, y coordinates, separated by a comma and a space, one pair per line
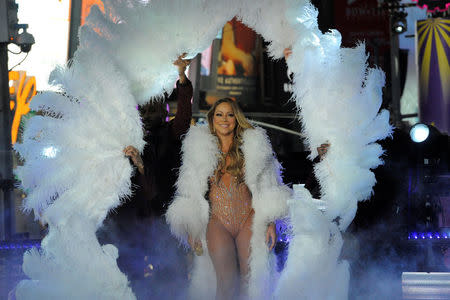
226, 200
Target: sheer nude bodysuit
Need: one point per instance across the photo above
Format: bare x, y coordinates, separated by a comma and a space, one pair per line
228, 234
231, 203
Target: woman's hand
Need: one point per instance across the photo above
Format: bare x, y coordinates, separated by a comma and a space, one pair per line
133, 153
271, 236
182, 64
287, 52
196, 246
322, 150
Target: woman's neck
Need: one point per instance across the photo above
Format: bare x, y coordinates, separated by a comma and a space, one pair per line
225, 142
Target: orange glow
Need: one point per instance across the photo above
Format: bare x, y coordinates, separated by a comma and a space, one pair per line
14, 76
86, 8
22, 91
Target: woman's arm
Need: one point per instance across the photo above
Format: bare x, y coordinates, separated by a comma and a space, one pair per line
183, 93
183, 116
133, 153
274, 192
188, 213
271, 235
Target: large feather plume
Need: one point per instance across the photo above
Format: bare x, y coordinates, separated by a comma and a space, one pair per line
74, 170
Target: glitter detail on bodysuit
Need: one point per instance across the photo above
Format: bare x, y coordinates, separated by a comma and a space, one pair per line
231, 203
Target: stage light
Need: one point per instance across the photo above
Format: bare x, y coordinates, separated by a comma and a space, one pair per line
49, 152
419, 133
168, 112
27, 244
427, 235
399, 26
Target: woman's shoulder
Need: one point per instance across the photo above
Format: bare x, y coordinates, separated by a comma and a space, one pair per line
199, 137
198, 131
256, 135
256, 143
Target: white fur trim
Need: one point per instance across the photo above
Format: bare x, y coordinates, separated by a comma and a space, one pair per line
189, 212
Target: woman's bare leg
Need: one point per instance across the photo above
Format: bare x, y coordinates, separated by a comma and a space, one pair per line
222, 251
243, 250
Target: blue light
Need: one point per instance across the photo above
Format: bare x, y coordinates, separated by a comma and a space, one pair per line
428, 235
284, 238
50, 152
26, 244
419, 133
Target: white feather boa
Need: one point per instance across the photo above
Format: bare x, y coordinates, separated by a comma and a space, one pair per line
189, 212
124, 58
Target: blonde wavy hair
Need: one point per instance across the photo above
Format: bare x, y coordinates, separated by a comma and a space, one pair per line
235, 155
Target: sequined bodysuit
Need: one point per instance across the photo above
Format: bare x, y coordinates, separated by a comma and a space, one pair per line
231, 203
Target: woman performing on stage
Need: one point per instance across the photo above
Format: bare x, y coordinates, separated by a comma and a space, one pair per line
120, 63
228, 194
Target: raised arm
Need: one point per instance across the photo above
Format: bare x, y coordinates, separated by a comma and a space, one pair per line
183, 94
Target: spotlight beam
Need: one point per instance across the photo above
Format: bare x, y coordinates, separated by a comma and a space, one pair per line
419, 133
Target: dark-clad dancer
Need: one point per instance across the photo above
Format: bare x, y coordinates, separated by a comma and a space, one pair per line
161, 156
148, 255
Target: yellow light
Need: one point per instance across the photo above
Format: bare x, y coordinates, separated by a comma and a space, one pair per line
23, 90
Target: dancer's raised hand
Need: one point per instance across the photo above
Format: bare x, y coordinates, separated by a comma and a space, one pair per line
182, 64
322, 150
271, 236
287, 52
133, 153
196, 246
